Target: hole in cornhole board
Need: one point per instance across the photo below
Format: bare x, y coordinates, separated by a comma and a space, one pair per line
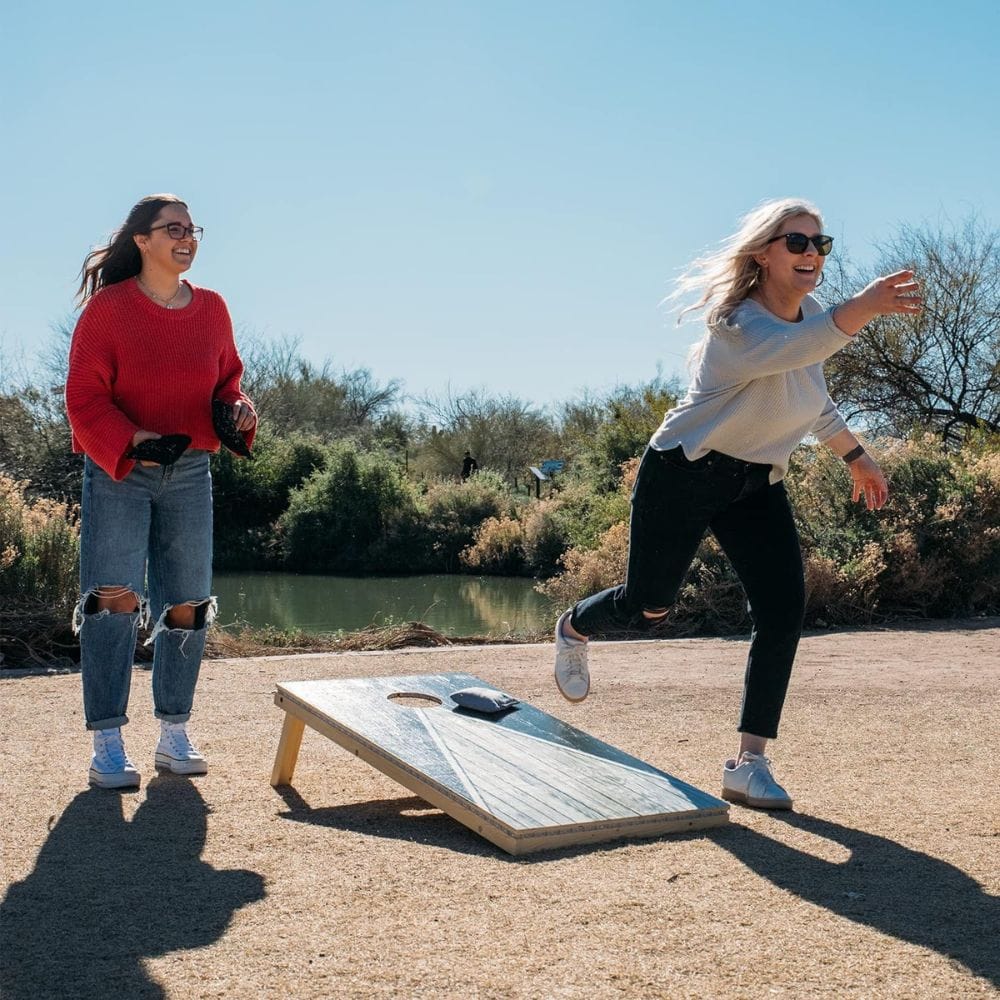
408, 699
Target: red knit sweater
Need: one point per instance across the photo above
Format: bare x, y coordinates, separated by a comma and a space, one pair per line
134, 365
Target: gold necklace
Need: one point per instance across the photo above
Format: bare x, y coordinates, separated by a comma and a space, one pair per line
159, 298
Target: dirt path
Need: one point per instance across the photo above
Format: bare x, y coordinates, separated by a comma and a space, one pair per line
885, 882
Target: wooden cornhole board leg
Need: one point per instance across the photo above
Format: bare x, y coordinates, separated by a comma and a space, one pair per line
288, 750
523, 779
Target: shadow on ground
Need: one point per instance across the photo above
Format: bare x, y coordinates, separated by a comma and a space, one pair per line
107, 893
414, 820
408, 819
884, 885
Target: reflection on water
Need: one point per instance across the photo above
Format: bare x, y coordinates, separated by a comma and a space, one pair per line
455, 605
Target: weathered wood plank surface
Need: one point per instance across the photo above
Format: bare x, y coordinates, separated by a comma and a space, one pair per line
523, 779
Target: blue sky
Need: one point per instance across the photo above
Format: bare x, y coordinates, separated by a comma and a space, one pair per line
478, 194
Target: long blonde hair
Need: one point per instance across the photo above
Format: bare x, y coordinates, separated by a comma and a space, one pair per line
725, 278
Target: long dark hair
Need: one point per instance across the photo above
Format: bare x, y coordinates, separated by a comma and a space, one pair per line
120, 258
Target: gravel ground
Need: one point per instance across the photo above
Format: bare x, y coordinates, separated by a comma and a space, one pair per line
884, 882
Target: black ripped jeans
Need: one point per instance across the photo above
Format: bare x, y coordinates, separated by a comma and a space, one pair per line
674, 502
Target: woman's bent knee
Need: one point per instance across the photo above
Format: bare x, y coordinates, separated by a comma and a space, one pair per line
192, 615
117, 600
649, 618
180, 616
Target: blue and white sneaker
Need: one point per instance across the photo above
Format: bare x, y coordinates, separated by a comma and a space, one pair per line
175, 753
110, 766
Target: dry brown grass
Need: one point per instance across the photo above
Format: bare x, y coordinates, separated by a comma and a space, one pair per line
264, 642
33, 634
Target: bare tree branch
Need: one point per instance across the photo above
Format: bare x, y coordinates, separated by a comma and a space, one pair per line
940, 370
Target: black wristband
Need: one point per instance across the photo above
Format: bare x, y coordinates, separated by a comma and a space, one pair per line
854, 454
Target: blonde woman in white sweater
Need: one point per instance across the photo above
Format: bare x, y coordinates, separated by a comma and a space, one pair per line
717, 462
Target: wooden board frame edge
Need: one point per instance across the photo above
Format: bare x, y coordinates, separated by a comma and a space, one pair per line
506, 838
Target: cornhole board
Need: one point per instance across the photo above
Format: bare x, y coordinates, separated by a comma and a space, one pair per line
522, 779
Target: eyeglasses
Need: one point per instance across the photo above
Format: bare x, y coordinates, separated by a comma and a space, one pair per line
799, 242
178, 231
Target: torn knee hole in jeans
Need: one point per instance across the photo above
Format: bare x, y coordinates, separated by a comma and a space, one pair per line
89, 607
644, 619
205, 610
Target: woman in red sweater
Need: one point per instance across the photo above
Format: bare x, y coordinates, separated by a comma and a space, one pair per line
149, 354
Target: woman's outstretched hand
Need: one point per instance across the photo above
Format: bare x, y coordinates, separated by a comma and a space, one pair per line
892, 293
869, 483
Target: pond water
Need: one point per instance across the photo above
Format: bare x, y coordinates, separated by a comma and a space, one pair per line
454, 605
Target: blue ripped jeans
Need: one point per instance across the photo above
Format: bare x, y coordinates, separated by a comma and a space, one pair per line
154, 527
674, 503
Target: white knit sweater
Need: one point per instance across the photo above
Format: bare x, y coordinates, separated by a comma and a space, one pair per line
758, 388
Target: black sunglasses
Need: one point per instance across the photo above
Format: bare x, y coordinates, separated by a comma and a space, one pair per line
799, 242
177, 231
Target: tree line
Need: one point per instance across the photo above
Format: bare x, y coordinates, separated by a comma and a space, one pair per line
351, 476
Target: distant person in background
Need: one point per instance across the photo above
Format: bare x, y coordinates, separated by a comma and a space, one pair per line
469, 465
149, 354
718, 460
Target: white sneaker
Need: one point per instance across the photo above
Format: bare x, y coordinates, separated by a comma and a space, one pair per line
751, 782
572, 675
110, 766
175, 753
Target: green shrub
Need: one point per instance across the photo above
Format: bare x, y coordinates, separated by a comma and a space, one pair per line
35, 442
545, 536
627, 419
933, 551
250, 496
340, 519
452, 512
39, 547
581, 516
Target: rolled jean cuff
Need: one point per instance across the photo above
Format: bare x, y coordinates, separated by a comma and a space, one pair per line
113, 723
177, 717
